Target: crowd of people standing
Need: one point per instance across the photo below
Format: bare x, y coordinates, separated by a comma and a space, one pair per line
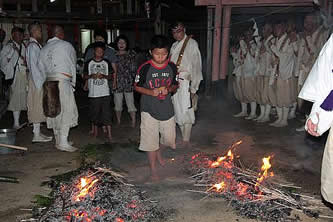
42, 80
271, 68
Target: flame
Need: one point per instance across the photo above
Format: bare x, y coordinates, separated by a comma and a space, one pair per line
264, 170
84, 187
118, 219
219, 186
221, 160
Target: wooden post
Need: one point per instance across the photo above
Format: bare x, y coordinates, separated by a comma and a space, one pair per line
210, 12
225, 41
18, 6
137, 7
129, 7
34, 6
217, 42
99, 6
121, 9
68, 6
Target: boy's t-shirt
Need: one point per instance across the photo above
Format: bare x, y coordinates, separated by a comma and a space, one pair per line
151, 77
98, 87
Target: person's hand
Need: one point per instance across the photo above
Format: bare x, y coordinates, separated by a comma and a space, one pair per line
114, 84
293, 37
312, 128
155, 92
233, 49
93, 76
164, 91
101, 76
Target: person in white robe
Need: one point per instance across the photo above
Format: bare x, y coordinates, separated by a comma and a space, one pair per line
264, 70
318, 88
36, 78
283, 52
295, 44
311, 42
237, 72
57, 61
190, 76
13, 65
247, 79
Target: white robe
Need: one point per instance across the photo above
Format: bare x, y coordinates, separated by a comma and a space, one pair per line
32, 55
308, 52
316, 88
189, 70
9, 57
36, 79
284, 50
57, 58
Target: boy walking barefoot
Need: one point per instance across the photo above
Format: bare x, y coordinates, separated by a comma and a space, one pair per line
97, 72
156, 80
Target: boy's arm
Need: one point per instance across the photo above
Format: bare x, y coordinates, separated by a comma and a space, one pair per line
140, 80
85, 71
145, 91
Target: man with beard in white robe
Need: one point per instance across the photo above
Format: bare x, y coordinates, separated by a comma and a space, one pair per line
190, 76
14, 66
57, 61
311, 42
318, 88
36, 78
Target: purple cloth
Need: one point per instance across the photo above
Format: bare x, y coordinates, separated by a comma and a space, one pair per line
328, 102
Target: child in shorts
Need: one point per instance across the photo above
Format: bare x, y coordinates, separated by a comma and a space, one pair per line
156, 80
97, 72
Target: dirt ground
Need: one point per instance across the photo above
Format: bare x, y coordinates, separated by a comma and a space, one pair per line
297, 159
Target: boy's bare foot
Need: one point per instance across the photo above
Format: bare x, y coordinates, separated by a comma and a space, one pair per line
91, 132
154, 178
109, 139
161, 161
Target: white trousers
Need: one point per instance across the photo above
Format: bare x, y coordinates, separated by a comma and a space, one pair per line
186, 131
118, 101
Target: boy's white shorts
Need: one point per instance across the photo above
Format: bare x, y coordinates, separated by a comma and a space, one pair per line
151, 129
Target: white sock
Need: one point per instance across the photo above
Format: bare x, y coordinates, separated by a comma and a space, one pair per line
36, 129
16, 116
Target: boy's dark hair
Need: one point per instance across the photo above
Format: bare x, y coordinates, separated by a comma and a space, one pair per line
123, 37
159, 42
102, 33
99, 45
17, 29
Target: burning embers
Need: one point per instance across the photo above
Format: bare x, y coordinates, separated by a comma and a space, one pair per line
252, 194
228, 183
100, 195
84, 187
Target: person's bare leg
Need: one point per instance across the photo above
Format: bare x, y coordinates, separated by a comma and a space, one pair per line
118, 115
152, 156
160, 158
92, 130
95, 131
109, 133
132, 114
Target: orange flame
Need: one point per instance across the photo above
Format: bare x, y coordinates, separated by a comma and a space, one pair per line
220, 160
84, 187
118, 219
264, 168
219, 186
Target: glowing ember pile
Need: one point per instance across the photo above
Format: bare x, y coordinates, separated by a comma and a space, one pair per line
252, 194
100, 195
